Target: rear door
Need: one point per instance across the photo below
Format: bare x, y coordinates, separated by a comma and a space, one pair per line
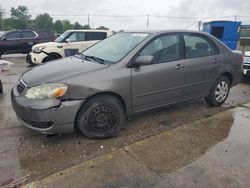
27, 40
202, 66
162, 81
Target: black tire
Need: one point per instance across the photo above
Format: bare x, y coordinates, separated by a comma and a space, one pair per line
1, 87
101, 117
218, 96
51, 57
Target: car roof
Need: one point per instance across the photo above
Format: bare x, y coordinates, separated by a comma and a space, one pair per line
89, 30
164, 31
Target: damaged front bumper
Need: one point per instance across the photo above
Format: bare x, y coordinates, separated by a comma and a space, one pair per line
49, 116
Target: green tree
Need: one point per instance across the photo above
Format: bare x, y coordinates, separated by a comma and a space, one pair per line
44, 22
32, 24
77, 25
8, 24
21, 16
102, 28
1, 17
86, 27
67, 25
58, 26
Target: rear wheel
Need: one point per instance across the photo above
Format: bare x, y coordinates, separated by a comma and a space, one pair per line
219, 92
101, 117
51, 56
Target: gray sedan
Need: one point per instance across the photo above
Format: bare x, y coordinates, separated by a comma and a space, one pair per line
127, 73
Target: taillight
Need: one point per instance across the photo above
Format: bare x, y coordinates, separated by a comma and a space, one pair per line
53, 37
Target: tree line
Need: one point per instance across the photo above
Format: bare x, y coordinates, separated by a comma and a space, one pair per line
21, 19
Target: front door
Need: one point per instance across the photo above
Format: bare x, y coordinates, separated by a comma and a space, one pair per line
12, 42
162, 81
76, 43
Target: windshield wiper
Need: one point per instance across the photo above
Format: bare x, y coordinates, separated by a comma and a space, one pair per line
99, 60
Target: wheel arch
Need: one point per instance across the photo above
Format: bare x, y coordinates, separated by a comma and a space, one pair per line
229, 76
113, 94
51, 54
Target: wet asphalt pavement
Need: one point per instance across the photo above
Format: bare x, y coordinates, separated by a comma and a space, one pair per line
24, 152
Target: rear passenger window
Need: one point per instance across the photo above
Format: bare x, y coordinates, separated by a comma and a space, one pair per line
164, 49
28, 34
95, 36
198, 46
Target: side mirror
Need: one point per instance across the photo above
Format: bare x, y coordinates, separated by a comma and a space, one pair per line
67, 40
144, 60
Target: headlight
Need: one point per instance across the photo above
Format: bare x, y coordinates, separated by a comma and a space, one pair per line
38, 49
46, 91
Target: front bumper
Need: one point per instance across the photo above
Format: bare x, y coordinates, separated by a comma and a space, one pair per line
45, 116
246, 71
36, 58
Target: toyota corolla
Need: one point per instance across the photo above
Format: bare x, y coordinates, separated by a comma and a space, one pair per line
127, 73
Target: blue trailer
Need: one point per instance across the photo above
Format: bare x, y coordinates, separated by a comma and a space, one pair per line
226, 31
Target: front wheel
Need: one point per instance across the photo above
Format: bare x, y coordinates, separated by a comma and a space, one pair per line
219, 92
101, 117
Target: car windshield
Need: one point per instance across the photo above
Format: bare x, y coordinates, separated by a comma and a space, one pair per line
114, 48
62, 37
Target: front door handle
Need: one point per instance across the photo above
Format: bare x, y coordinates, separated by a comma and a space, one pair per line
179, 66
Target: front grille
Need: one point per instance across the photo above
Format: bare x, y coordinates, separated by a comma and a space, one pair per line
246, 66
21, 86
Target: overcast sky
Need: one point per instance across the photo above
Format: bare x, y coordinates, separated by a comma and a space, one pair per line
103, 12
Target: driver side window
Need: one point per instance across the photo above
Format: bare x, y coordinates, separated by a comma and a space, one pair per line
13, 35
163, 49
75, 37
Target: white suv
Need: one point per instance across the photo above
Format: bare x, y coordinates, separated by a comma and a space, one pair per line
67, 44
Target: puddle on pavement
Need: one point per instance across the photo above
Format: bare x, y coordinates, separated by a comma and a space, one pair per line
226, 164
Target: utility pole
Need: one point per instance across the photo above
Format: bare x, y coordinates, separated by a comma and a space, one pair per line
235, 18
88, 19
147, 21
199, 25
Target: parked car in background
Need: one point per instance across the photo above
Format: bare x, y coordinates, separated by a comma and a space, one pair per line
244, 46
127, 73
246, 67
67, 44
21, 41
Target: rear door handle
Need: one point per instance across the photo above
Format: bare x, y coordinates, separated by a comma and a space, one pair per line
216, 61
179, 66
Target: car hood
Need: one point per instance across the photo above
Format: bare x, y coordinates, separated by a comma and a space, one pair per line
46, 45
59, 70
